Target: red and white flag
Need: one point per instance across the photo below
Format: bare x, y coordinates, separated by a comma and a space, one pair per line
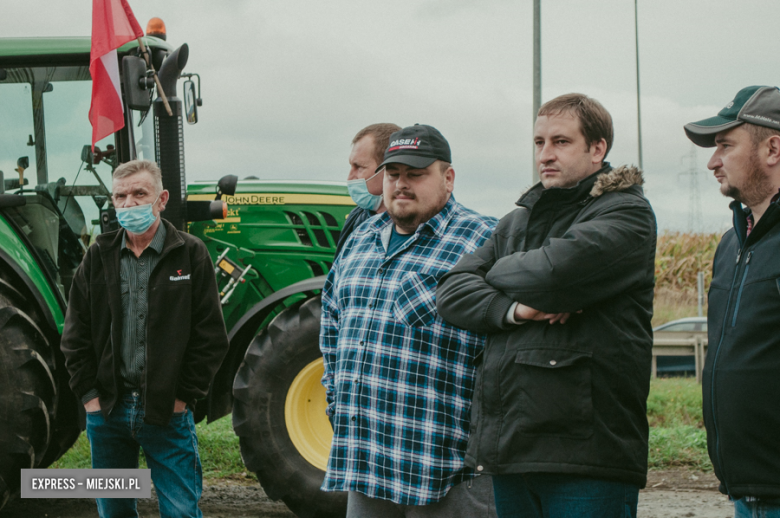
113, 25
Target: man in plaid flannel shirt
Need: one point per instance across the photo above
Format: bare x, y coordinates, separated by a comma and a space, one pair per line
399, 379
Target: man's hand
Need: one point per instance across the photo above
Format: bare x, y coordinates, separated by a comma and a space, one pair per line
179, 406
523, 312
93, 405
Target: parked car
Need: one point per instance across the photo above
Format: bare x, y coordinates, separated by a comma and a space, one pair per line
679, 365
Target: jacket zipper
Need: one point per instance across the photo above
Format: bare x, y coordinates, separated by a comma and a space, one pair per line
741, 285
714, 364
149, 290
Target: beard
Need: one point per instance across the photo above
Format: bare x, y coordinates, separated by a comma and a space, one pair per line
757, 186
409, 219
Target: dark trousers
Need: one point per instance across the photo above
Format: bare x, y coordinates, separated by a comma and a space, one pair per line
553, 495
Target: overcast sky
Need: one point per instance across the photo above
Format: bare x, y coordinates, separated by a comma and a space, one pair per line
287, 84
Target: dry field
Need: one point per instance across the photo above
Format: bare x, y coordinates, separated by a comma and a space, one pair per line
678, 259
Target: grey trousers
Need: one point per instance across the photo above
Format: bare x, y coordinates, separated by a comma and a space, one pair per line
470, 499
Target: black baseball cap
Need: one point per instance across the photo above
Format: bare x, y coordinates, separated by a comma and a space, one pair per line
417, 146
759, 105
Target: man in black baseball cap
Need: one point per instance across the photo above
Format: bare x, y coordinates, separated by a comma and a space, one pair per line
399, 380
419, 177
417, 146
741, 393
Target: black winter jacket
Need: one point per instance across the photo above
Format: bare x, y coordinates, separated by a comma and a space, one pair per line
565, 398
186, 338
741, 383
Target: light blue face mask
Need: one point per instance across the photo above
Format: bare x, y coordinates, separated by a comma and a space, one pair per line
137, 219
358, 190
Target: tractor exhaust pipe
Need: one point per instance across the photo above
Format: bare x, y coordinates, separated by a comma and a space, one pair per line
170, 138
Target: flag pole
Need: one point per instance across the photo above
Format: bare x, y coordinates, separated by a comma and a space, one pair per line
156, 79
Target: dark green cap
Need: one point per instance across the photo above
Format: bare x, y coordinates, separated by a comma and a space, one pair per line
759, 105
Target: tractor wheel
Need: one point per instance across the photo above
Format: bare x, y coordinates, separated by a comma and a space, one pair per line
28, 393
279, 413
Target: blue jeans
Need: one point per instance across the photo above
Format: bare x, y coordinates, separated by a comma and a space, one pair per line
555, 495
171, 453
754, 508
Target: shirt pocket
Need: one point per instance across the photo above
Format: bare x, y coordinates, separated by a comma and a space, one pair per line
415, 303
554, 392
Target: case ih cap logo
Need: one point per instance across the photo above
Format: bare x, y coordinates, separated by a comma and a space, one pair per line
405, 143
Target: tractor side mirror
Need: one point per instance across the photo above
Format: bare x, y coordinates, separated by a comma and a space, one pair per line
190, 102
23, 162
136, 83
86, 154
206, 210
227, 185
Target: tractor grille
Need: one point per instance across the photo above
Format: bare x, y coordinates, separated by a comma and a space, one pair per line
315, 229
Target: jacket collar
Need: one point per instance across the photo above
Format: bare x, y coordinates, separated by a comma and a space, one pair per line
113, 241
436, 225
602, 181
157, 243
770, 218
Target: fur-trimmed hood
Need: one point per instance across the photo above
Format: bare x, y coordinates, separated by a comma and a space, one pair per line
607, 179
618, 179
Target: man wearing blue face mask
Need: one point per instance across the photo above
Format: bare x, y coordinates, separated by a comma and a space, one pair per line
364, 181
143, 338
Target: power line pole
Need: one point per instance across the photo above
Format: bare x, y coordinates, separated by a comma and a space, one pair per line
694, 198
537, 75
638, 102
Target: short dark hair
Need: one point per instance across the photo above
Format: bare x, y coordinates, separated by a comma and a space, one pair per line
758, 134
595, 120
381, 134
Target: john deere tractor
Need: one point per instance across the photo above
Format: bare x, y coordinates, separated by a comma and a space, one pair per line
272, 243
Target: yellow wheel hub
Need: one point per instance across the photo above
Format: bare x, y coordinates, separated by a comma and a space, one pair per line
304, 414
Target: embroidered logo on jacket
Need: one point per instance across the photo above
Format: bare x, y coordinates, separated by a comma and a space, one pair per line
179, 276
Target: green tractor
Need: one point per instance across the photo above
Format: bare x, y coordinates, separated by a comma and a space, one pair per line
272, 243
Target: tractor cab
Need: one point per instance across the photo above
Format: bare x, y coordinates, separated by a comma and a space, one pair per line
45, 155
46, 158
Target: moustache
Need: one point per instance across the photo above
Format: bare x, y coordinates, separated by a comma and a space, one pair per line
406, 194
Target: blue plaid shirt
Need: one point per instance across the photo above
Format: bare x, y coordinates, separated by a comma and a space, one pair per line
399, 379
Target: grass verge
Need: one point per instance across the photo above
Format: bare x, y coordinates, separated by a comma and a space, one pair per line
677, 436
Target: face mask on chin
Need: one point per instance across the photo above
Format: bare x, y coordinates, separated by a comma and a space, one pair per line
358, 190
137, 219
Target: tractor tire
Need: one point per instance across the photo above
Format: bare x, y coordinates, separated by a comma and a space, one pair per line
28, 391
279, 413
